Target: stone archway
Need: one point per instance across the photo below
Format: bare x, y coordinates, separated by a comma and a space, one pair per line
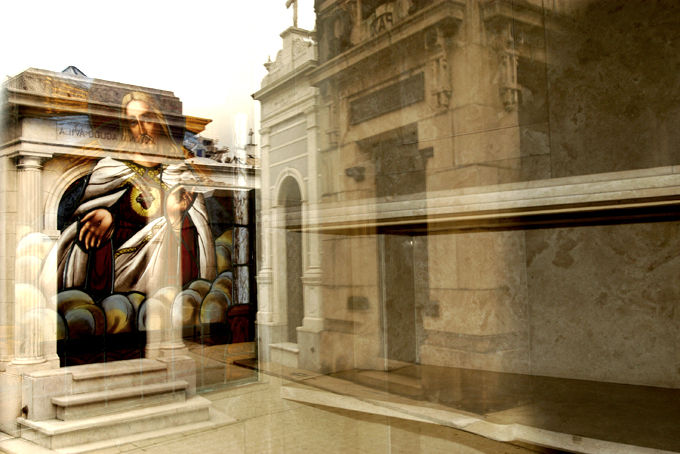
290, 203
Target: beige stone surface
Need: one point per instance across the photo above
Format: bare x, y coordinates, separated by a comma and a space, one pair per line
603, 302
487, 147
478, 312
442, 258
488, 260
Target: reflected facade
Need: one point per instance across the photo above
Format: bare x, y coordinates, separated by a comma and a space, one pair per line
461, 235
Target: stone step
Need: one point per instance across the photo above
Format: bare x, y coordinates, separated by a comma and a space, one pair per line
285, 353
86, 405
55, 434
98, 377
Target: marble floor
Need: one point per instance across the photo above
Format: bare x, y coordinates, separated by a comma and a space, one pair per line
215, 364
417, 409
633, 415
572, 415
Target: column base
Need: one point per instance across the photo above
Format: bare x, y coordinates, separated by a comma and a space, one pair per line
171, 350
19, 368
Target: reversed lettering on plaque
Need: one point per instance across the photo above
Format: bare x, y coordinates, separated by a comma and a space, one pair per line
77, 130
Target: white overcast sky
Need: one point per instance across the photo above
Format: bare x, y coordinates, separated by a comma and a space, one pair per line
208, 52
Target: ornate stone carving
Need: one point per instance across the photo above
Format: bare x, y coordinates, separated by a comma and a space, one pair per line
299, 46
507, 66
440, 87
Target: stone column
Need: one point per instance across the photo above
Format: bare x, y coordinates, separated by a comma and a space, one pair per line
29, 302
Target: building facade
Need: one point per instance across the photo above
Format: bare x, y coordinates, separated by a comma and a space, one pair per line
128, 263
496, 208
289, 278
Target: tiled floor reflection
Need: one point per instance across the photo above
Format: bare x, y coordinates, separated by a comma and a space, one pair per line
215, 363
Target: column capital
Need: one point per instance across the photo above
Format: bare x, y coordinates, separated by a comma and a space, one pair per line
29, 160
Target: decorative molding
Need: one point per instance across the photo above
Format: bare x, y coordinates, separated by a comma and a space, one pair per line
300, 46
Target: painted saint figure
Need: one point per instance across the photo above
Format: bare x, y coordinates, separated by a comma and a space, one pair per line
137, 228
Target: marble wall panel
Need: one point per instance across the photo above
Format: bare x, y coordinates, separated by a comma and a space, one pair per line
478, 312
611, 80
327, 259
335, 301
423, 304
535, 168
534, 139
364, 260
242, 246
488, 260
443, 263
366, 321
342, 255
342, 352
603, 302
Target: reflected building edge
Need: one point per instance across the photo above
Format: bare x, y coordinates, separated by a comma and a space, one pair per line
465, 238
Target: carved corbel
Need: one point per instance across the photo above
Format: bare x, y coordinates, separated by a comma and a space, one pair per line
358, 173
440, 72
508, 61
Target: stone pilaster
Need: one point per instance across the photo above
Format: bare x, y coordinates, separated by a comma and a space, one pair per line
313, 319
264, 277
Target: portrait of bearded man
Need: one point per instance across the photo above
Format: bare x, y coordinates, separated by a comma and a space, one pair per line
137, 228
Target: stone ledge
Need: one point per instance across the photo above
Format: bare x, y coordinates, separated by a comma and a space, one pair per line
581, 197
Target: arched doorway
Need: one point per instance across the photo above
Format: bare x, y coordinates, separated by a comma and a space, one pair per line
290, 200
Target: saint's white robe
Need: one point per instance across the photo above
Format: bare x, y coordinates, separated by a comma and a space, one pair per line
139, 262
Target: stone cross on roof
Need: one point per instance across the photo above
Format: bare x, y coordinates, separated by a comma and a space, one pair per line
295, 10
